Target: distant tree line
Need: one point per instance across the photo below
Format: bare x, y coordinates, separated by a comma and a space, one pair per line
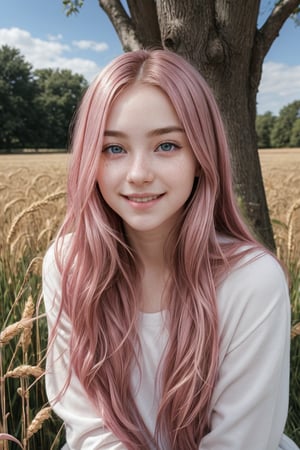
279, 131
36, 106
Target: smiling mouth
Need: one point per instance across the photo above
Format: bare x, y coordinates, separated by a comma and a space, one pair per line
143, 199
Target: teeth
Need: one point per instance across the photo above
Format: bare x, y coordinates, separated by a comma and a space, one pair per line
143, 199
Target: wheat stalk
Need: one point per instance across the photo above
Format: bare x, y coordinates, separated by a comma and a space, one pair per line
31, 189
54, 443
290, 237
39, 177
23, 393
36, 206
16, 172
8, 437
16, 193
295, 330
11, 331
19, 242
21, 192
13, 202
28, 308
25, 371
38, 421
34, 267
4, 186
26, 316
45, 232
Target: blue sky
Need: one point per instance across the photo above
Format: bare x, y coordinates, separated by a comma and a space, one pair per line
86, 42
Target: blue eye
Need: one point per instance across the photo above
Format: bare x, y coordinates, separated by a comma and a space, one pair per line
167, 147
114, 149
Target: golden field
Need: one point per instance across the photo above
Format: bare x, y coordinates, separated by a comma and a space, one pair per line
32, 197
32, 205
281, 174
25, 179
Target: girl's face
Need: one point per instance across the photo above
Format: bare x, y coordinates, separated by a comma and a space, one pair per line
147, 167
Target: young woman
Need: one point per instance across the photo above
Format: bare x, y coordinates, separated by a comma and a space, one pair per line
168, 322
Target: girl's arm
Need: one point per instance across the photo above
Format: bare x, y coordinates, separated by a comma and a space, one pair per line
84, 427
250, 400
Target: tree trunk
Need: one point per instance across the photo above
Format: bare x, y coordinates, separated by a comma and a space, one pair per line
220, 38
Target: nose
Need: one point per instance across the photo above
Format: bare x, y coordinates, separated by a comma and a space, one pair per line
140, 170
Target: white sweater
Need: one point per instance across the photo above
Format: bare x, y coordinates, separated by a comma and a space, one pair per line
250, 399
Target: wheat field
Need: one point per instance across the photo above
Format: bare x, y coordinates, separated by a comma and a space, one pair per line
281, 174
26, 180
32, 205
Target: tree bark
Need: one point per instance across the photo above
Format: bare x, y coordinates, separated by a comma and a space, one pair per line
220, 38
145, 21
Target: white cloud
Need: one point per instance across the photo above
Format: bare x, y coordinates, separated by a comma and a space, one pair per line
48, 53
36, 49
55, 37
280, 85
91, 45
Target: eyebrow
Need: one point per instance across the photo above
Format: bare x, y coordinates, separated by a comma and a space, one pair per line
155, 132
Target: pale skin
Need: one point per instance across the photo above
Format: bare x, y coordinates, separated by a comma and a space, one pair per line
146, 174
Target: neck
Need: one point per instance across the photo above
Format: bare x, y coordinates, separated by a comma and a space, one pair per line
154, 272
149, 247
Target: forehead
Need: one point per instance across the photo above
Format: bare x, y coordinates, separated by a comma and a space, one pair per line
142, 102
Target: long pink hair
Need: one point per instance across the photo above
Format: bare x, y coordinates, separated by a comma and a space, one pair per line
100, 279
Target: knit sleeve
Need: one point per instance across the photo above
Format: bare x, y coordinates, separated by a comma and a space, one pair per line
85, 429
250, 400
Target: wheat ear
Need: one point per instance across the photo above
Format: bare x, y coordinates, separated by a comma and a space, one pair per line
31, 209
13, 202
38, 421
25, 371
26, 316
295, 330
11, 331
290, 238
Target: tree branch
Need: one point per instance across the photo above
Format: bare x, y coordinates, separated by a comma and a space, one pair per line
270, 30
266, 35
145, 20
122, 23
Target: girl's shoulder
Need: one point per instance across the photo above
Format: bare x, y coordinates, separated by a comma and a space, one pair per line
256, 271
248, 264
253, 293
57, 249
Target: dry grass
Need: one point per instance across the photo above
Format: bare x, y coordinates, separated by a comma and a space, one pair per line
32, 205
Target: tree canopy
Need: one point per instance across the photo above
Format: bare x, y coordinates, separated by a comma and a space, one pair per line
279, 131
264, 125
58, 95
36, 107
17, 91
295, 134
